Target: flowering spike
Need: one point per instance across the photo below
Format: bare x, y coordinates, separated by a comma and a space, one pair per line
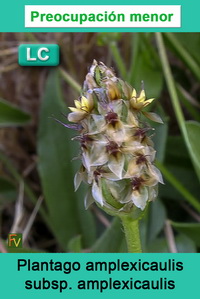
116, 151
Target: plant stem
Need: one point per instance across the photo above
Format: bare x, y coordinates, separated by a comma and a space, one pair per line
132, 234
70, 80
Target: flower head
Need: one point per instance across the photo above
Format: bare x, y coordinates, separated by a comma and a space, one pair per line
117, 153
138, 102
82, 108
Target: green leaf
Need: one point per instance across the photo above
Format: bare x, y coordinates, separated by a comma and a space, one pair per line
184, 53
193, 131
190, 130
158, 245
178, 163
153, 116
11, 116
189, 102
104, 38
166, 192
190, 42
7, 191
183, 244
177, 152
160, 137
112, 240
191, 230
145, 68
156, 220
74, 244
55, 152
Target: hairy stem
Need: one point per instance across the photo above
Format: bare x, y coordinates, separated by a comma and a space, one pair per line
132, 234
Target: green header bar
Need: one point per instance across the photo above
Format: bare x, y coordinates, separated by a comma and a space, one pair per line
12, 16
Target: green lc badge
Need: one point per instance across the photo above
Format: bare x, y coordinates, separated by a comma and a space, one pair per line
38, 55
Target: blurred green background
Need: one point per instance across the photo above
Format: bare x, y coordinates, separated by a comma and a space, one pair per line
37, 196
